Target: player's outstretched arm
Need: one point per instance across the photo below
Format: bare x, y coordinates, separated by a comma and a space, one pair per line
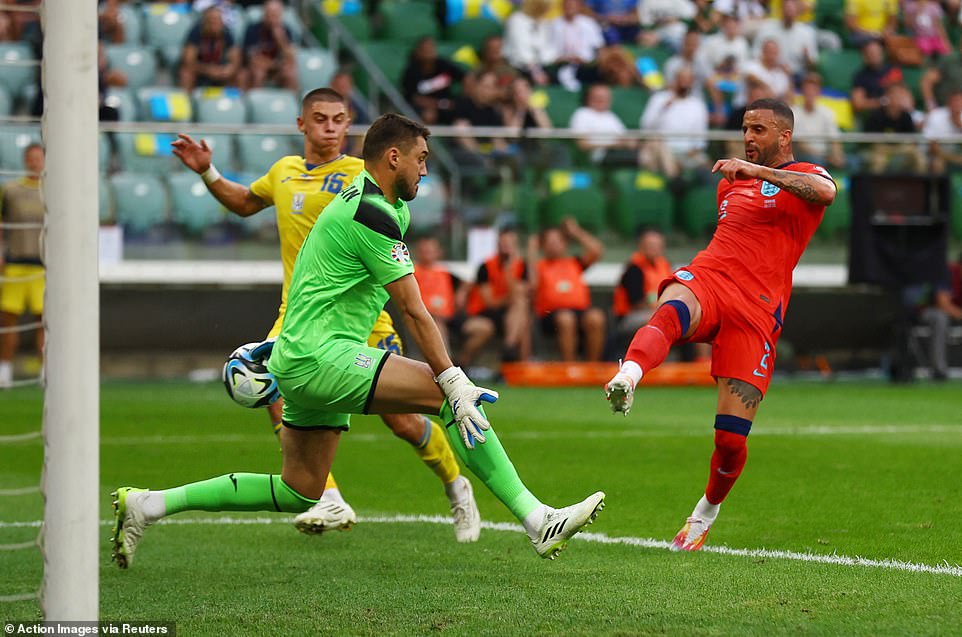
816, 188
234, 196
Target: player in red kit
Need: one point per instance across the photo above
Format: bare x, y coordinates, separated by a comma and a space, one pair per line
735, 292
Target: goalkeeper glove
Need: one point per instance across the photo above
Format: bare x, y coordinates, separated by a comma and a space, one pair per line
464, 397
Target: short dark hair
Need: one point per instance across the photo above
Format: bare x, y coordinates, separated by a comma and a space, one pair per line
782, 110
391, 130
323, 94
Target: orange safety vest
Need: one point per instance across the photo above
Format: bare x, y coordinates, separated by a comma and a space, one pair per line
560, 286
654, 272
498, 281
437, 290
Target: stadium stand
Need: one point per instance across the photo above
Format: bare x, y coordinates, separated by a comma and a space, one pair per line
272, 106
140, 202
17, 73
166, 26
641, 198
214, 105
137, 62
192, 207
407, 21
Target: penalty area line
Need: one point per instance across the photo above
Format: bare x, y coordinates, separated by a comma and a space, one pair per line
596, 538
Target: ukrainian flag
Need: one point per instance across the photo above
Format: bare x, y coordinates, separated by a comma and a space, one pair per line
152, 145
342, 7
650, 73
837, 102
169, 106
645, 180
565, 180
458, 10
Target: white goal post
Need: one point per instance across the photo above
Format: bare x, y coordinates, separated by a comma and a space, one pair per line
71, 533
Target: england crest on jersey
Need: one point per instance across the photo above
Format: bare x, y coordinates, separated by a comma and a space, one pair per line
769, 190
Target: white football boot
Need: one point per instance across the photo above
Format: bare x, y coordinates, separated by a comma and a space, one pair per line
620, 392
129, 524
326, 515
464, 510
559, 525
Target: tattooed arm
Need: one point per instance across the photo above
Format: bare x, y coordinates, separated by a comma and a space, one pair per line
811, 187
817, 189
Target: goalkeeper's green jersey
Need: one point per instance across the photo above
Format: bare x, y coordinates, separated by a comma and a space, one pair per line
337, 289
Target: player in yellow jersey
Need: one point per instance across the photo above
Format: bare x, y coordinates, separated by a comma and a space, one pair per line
300, 188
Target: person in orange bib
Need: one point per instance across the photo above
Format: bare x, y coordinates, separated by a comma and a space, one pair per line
562, 299
443, 292
637, 291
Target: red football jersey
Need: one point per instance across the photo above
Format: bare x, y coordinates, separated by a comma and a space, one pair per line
761, 234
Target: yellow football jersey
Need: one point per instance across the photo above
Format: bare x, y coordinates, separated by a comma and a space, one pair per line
300, 192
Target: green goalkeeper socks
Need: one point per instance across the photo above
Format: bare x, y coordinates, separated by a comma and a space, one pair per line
236, 492
490, 463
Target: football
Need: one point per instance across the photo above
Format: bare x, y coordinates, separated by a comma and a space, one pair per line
248, 382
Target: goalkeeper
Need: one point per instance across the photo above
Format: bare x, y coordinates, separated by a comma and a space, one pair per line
351, 263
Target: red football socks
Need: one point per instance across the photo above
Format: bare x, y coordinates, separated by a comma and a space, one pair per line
727, 463
651, 343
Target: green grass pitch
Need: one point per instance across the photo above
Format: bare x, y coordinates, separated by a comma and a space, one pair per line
858, 470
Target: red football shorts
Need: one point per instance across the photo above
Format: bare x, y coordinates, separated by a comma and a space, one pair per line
742, 331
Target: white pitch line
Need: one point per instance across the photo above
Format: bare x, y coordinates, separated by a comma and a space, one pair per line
597, 538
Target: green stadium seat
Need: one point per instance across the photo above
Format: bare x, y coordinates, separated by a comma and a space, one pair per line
132, 19
14, 138
838, 67
472, 31
192, 206
166, 27
830, 15
574, 193
259, 152
955, 199
272, 106
460, 53
427, 210
104, 201
390, 57
16, 68
698, 210
123, 100
315, 67
216, 105
146, 153
407, 21
559, 103
290, 19
912, 76
222, 146
163, 104
838, 216
628, 104
641, 198
137, 62
140, 201
6, 102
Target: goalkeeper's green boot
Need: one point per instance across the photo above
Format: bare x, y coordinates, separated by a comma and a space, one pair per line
559, 525
129, 524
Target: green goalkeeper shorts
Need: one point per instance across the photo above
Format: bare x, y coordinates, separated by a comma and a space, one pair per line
342, 383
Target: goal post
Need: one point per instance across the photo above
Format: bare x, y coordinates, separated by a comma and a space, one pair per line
71, 533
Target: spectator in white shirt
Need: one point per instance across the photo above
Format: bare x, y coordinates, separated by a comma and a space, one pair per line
767, 70
688, 57
727, 43
750, 13
816, 129
576, 35
675, 110
666, 19
529, 45
944, 122
797, 40
597, 117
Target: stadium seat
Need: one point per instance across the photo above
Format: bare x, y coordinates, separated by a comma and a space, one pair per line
628, 104
390, 57
163, 104
838, 216
219, 105
132, 19
559, 103
698, 210
166, 27
839, 67
315, 67
137, 62
123, 100
259, 152
830, 15
146, 153
955, 198
6, 103
641, 199
574, 194
16, 68
407, 21
103, 152
262, 224
140, 201
427, 210
464, 55
14, 138
272, 106
472, 31
912, 76
290, 19
192, 206
104, 201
